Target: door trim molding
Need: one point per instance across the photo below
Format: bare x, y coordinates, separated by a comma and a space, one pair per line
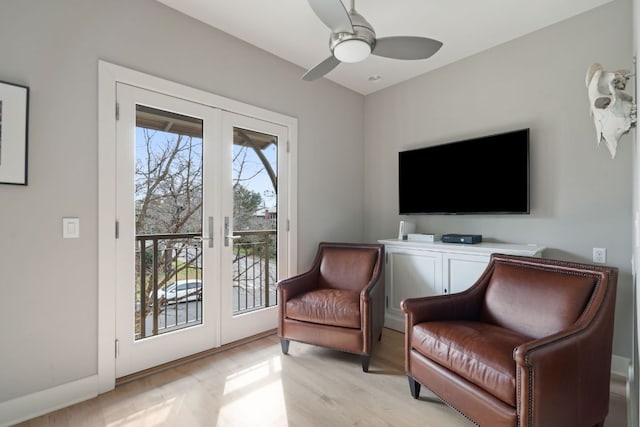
108, 75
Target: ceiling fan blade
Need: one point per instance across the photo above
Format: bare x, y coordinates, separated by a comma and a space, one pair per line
333, 14
406, 47
321, 69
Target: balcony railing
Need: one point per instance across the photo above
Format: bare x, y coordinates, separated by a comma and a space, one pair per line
169, 286
254, 270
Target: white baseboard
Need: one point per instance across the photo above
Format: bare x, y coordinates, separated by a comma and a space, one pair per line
632, 398
620, 366
394, 322
33, 405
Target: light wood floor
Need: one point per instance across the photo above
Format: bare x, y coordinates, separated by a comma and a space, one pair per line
255, 385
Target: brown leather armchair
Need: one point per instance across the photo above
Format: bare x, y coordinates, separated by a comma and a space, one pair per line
338, 303
529, 344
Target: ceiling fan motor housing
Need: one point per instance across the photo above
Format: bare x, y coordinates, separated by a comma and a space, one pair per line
362, 31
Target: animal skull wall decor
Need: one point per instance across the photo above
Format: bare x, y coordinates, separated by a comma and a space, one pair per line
612, 109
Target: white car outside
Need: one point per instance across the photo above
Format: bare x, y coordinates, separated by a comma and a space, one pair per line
181, 291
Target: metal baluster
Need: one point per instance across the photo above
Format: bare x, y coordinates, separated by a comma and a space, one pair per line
198, 262
246, 281
155, 288
143, 288
266, 269
175, 280
186, 276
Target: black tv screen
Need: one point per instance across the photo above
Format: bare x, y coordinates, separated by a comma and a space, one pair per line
486, 175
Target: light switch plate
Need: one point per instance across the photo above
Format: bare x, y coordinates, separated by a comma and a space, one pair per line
70, 228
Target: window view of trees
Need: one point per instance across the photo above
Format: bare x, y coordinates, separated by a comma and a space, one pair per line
168, 183
169, 218
168, 203
255, 220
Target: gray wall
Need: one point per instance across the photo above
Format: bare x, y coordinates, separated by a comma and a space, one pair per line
580, 198
48, 321
48, 289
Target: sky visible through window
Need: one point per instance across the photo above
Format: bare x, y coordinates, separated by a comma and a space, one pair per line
254, 175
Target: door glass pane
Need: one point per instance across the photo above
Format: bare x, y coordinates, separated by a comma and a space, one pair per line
168, 208
255, 220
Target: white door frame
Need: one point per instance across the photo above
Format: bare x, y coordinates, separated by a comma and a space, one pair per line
108, 75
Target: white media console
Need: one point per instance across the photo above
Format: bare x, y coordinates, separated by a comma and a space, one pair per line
416, 269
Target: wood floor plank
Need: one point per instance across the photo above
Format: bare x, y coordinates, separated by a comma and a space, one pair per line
254, 384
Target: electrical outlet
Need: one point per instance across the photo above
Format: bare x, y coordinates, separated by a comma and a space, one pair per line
600, 255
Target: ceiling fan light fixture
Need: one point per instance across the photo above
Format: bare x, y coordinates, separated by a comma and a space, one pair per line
352, 50
353, 39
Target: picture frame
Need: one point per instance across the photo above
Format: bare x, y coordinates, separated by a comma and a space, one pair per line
14, 127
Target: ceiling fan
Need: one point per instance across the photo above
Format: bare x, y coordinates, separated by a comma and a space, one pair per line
353, 39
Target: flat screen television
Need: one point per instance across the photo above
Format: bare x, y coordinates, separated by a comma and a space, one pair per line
486, 175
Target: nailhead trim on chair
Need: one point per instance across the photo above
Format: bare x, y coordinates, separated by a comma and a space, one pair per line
454, 408
529, 368
519, 393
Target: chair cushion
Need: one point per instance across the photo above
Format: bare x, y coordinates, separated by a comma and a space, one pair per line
478, 352
326, 306
346, 268
514, 296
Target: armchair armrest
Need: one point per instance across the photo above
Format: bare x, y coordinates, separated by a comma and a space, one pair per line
575, 362
459, 306
295, 285
375, 287
372, 307
289, 288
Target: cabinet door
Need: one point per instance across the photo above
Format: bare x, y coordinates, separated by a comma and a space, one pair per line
410, 274
462, 270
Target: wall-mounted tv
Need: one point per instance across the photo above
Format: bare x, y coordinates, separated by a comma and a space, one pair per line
485, 175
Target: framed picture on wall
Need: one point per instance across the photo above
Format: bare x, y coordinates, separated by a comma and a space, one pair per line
14, 123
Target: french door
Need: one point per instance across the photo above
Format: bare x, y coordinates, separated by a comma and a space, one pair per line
200, 244
255, 249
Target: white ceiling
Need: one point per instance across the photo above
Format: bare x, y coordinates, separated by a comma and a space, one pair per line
289, 29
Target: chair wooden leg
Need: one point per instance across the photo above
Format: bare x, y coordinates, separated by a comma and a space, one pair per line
284, 343
414, 387
365, 363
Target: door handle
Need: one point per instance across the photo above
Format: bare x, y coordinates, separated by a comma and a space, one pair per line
227, 234
209, 237
210, 231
